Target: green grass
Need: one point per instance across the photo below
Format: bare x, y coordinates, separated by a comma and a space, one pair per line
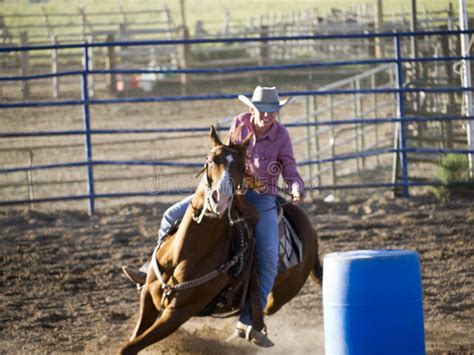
451, 168
211, 12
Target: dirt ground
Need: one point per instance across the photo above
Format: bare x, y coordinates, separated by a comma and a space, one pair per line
63, 291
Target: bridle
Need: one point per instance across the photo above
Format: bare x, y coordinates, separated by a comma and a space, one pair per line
208, 191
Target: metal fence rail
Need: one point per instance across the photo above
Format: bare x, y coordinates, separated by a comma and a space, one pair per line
87, 132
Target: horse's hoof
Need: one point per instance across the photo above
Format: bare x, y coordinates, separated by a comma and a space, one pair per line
126, 350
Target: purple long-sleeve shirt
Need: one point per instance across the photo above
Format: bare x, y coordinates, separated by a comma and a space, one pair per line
269, 155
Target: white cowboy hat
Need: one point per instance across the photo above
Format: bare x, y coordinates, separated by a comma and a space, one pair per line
264, 99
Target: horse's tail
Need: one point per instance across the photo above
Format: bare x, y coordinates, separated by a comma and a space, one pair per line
317, 271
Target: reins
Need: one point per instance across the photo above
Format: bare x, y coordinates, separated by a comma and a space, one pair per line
243, 219
168, 290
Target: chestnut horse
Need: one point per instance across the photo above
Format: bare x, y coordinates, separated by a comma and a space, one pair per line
190, 268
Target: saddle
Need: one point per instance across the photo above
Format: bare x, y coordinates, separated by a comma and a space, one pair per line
290, 248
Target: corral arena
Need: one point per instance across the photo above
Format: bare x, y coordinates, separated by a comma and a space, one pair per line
62, 287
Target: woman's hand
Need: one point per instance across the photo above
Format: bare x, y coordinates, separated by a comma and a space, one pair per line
296, 197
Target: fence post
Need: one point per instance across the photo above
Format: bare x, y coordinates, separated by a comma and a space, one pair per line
332, 141
54, 66
360, 103
373, 85
25, 65
396, 159
185, 62
379, 27
91, 84
29, 176
111, 64
308, 135
87, 128
169, 22
355, 111
451, 109
401, 116
49, 28
82, 14
316, 138
264, 46
466, 81
283, 32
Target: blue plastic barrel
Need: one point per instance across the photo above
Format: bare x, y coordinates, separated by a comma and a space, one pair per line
373, 303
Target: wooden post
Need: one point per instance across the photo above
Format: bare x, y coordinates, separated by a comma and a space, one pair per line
356, 114
89, 39
316, 138
414, 43
185, 62
226, 24
372, 43
182, 6
250, 25
25, 65
122, 14
46, 22
309, 150
111, 64
264, 47
316, 43
54, 66
332, 141
360, 127
169, 22
378, 26
451, 109
29, 177
283, 32
396, 160
123, 34
373, 85
82, 13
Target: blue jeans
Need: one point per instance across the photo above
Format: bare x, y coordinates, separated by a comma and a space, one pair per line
266, 234
172, 214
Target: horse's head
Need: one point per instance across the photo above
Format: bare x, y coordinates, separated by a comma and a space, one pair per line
223, 173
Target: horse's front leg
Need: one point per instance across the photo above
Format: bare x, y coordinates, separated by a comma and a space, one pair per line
148, 312
169, 321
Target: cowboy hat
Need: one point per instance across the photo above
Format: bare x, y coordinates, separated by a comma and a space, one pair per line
264, 99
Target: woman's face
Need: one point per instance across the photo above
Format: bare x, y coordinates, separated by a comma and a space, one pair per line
264, 120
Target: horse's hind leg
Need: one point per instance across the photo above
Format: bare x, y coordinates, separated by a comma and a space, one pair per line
317, 271
167, 323
148, 312
283, 293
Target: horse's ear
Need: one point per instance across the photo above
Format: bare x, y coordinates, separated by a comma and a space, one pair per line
234, 136
245, 143
215, 141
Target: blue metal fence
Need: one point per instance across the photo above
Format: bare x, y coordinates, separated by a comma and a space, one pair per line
86, 101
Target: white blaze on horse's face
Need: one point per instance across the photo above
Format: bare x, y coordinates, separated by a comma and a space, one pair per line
222, 191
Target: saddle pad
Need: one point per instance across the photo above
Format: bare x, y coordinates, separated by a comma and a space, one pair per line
291, 250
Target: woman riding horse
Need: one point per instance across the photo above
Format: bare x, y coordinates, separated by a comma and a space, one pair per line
270, 154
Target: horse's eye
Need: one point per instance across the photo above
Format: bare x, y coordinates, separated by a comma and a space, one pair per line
218, 160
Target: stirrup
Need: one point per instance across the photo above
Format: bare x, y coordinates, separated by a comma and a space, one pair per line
253, 336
